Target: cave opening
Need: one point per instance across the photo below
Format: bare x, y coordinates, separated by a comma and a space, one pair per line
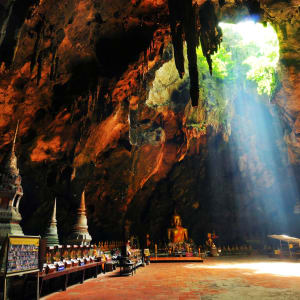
248, 190
262, 184
154, 123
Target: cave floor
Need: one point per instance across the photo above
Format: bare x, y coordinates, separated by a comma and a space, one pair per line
217, 278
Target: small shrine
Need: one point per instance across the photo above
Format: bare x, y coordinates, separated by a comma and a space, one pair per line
51, 233
11, 192
80, 234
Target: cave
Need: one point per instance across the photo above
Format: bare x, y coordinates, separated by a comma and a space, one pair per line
152, 109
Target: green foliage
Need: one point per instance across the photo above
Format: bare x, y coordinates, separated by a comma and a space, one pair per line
244, 56
211, 87
261, 57
263, 71
259, 50
201, 127
222, 63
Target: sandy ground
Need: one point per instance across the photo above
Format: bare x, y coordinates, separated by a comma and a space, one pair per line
223, 278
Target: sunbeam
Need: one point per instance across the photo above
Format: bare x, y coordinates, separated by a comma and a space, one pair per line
275, 268
263, 189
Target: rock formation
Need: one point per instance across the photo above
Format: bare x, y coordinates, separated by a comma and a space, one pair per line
78, 74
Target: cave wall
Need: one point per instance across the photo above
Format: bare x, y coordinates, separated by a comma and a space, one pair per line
77, 75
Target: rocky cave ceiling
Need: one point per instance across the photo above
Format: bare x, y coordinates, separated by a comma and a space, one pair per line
77, 74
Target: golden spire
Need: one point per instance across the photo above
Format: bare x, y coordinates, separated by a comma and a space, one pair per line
11, 164
53, 219
81, 213
15, 137
82, 208
80, 234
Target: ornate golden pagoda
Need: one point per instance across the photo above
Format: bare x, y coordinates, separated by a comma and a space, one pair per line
11, 192
80, 234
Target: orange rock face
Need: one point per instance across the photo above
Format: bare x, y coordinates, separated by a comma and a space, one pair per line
78, 77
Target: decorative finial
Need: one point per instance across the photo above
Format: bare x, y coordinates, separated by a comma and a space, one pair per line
53, 219
11, 163
82, 208
15, 137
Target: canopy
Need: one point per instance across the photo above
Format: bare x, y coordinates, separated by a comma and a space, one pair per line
285, 238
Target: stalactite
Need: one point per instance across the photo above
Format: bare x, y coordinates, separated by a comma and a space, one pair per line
176, 9
145, 62
183, 19
4, 22
191, 41
18, 35
221, 2
39, 69
38, 41
210, 32
13, 15
254, 7
53, 65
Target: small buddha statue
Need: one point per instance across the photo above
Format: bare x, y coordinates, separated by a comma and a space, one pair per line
148, 242
177, 233
211, 245
209, 242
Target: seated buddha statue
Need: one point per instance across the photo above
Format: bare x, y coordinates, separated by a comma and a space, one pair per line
177, 233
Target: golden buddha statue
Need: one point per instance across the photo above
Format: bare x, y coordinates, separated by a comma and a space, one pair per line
177, 234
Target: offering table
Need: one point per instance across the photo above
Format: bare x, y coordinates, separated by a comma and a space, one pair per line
96, 267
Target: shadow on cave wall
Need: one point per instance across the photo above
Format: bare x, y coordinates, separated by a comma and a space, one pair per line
190, 186
180, 98
84, 78
115, 53
41, 186
213, 193
42, 182
12, 17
